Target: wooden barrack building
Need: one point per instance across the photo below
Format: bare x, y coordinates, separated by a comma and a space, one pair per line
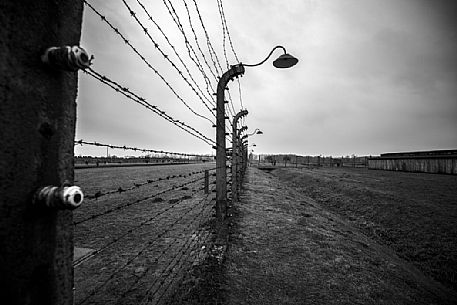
435, 161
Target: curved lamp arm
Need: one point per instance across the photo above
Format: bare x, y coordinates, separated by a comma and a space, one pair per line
277, 47
256, 131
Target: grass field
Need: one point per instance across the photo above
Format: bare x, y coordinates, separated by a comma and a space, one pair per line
325, 235
140, 241
415, 214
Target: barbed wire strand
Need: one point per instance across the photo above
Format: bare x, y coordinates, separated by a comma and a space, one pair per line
224, 20
127, 93
127, 42
135, 186
202, 215
81, 142
142, 101
145, 61
149, 294
231, 111
142, 57
127, 232
190, 49
240, 95
148, 244
167, 58
123, 206
176, 53
198, 246
181, 248
168, 274
226, 33
196, 40
224, 38
191, 52
212, 52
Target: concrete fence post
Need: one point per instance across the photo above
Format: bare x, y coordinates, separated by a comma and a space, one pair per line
221, 154
37, 126
235, 157
245, 161
240, 163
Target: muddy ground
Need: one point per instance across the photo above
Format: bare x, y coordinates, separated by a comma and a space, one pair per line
335, 236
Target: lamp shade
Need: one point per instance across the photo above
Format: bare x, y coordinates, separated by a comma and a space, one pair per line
285, 61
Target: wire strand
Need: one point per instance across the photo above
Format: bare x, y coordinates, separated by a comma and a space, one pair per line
167, 58
81, 142
142, 101
211, 51
123, 206
127, 42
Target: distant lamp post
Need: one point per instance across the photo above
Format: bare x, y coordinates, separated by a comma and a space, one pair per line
236, 158
283, 61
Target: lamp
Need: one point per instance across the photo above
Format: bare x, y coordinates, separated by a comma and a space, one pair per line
283, 61
256, 131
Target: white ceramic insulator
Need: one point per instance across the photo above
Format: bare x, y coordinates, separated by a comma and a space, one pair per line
73, 196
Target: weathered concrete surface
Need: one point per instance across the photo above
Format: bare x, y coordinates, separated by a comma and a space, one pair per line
286, 249
37, 121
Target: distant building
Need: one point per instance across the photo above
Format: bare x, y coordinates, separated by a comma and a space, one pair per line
435, 161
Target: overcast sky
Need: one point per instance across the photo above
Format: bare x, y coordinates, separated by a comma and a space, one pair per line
372, 77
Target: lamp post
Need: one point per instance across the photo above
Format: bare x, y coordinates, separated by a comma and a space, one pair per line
283, 61
235, 153
240, 158
221, 154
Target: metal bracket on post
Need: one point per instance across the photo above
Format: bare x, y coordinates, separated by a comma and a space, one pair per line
221, 157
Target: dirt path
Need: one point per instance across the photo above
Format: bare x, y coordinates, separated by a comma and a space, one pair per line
288, 249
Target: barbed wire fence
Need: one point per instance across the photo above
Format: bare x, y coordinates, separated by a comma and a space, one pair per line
139, 238
164, 219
